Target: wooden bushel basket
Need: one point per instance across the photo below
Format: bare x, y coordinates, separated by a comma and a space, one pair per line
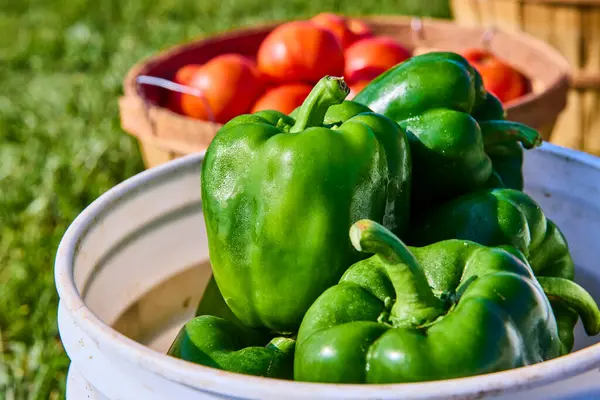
572, 27
165, 135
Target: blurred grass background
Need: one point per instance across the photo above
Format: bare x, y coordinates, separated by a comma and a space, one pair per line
61, 145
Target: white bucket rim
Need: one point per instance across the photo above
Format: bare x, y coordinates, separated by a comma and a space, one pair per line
218, 381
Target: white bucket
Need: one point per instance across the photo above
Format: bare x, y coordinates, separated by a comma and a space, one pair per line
131, 268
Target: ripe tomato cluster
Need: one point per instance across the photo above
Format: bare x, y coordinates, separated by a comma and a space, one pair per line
499, 78
296, 54
289, 61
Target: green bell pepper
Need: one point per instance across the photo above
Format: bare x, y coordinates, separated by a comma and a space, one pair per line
490, 109
448, 310
397, 153
219, 343
433, 97
212, 303
495, 217
216, 338
505, 217
507, 155
279, 194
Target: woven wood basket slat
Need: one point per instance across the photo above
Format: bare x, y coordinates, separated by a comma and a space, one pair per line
573, 28
165, 135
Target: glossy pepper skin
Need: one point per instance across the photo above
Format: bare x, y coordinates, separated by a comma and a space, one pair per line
212, 303
219, 343
490, 109
448, 310
395, 142
505, 217
507, 155
433, 96
496, 217
278, 196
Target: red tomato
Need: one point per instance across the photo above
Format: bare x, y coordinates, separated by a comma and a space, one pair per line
370, 57
230, 84
284, 98
346, 30
498, 77
185, 73
359, 28
182, 76
300, 51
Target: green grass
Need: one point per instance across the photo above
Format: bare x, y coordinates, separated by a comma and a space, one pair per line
61, 146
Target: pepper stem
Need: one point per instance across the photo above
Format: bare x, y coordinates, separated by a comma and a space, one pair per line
415, 302
576, 298
330, 90
499, 131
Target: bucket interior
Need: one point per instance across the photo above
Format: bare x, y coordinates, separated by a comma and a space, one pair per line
143, 265
156, 317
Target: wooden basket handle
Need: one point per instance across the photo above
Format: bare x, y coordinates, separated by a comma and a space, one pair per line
491, 28
419, 39
173, 87
416, 27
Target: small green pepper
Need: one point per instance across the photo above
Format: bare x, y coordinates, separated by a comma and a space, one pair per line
219, 343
